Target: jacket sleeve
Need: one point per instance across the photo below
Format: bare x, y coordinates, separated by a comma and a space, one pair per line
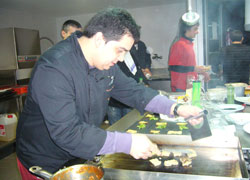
54, 91
131, 93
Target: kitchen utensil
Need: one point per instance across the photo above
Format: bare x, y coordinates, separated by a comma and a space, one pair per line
201, 130
76, 172
190, 18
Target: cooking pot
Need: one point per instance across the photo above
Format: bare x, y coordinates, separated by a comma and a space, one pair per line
76, 172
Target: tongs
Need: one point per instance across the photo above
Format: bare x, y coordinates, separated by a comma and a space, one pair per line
201, 130
201, 114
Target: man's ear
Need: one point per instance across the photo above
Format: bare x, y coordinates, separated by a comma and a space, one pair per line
242, 39
63, 34
99, 39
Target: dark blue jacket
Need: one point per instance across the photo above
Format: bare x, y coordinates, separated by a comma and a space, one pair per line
65, 106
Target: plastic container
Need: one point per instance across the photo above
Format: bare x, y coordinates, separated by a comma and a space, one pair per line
8, 124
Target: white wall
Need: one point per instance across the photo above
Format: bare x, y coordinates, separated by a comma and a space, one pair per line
159, 27
46, 25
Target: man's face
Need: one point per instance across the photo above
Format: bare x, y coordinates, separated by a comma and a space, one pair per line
71, 30
191, 33
108, 54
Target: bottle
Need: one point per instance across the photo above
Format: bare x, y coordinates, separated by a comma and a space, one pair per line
8, 124
230, 94
141, 81
196, 93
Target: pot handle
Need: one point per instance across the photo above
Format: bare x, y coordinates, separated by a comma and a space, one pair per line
40, 172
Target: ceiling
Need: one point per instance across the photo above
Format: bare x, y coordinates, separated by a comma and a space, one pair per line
61, 8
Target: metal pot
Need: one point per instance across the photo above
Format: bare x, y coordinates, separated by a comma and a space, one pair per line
76, 172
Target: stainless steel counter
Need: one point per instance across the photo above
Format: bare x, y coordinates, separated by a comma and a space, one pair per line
220, 130
160, 79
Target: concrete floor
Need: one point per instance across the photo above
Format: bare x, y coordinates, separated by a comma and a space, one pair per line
8, 168
8, 165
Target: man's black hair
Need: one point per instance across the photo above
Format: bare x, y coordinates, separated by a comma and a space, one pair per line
72, 23
236, 35
113, 23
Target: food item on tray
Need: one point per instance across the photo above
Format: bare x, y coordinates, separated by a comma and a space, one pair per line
181, 127
186, 161
177, 154
149, 115
191, 153
154, 131
174, 132
165, 153
170, 163
161, 125
143, 122
153, 118
141, 126
205, 68
131, 131
155, 162
181, 124
183, 98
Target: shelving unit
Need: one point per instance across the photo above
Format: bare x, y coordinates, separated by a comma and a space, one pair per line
19, 51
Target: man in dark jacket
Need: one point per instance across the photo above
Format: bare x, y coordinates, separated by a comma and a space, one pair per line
69, 92
69, 27
142, 57
236, 59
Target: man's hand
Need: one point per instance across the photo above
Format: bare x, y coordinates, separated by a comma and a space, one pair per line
187, 111
142, 147
206, 76
147, 73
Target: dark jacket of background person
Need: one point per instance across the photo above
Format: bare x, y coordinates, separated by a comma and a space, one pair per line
141, 56
236, 61
127, 72
47, 110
